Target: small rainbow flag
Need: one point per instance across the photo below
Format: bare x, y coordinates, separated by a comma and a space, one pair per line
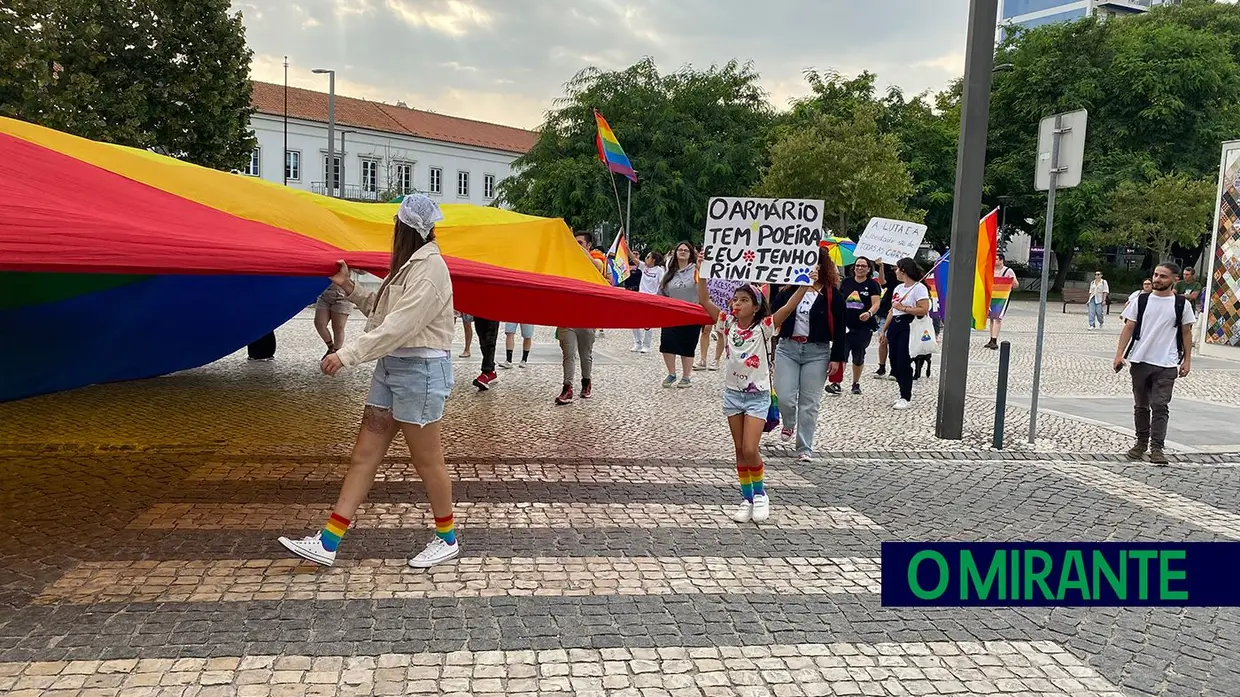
609, 150
618, 259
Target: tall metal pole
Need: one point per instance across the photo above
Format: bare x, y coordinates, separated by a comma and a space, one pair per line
970, 166
342, 135
331, 129
628, 215
286, 120
1046, 276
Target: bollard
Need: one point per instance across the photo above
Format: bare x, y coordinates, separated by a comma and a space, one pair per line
1005, 355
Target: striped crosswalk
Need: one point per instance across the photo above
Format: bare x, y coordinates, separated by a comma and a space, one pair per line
697, 553
935, 668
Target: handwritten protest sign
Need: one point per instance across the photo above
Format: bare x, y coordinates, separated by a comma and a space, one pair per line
890, 240
762, 240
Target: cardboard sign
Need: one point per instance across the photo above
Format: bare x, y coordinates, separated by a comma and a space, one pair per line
890, 240
762, 240
721, 291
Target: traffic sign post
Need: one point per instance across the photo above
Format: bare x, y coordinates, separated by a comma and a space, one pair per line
1061, 155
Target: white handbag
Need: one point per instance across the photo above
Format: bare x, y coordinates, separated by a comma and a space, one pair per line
921, 339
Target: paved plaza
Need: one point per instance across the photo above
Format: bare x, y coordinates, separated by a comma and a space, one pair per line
139, 523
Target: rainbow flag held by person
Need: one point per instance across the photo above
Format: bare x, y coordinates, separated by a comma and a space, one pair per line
1001, 294
618, 259
984, 271
984, 281
609, 150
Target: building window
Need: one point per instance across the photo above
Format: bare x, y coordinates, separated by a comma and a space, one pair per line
436, 181
254, 168
370, 176
331, 177
404, 177
488, 186
462, 184
292, 165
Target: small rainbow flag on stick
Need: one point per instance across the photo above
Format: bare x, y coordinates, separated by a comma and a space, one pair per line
609, 150
618, 259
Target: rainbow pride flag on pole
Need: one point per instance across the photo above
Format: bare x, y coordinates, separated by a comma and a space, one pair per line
986, 288
609, 150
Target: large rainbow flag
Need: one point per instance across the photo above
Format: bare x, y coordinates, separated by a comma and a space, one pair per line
609, 150
117, 263
984, 280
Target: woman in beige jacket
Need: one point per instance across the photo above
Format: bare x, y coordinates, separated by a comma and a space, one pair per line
409, 331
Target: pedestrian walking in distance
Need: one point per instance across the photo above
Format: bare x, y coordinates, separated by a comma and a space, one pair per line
1157, 342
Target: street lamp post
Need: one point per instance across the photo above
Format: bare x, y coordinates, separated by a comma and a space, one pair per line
970, 167
343, 192
331, 129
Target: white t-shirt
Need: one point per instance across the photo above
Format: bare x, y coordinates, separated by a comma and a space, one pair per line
651, 275
1098, 290
748, 366
1157, 344
801, 326
908, 295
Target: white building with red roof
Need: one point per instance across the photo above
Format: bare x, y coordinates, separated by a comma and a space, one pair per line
387, 149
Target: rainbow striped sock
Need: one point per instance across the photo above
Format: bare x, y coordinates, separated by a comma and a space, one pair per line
333, 531
445, 528
742, 472
756, 475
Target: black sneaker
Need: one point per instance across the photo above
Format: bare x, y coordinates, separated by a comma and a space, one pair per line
880, 373
834, 388
856, 388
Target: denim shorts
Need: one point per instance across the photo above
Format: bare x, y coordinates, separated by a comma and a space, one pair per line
414, 389
527, 330
755, 404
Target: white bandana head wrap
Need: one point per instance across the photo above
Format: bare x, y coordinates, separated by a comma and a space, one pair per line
419, 212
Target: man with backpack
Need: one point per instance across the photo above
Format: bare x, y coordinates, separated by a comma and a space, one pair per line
1157, 342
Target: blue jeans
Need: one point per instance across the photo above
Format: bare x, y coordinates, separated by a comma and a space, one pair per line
800, 376
1096, 310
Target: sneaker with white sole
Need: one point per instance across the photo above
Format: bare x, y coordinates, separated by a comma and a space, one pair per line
786, 435
506, 365
805, 457
645, 349
636, 348
437, 552
902, 404
669, 381
761, 508
743, 513
310, 548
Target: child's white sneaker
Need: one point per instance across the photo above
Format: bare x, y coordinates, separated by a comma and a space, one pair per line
761, 508
310, 548
744, 512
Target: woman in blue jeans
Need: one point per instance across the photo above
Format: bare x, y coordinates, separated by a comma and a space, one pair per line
811, 343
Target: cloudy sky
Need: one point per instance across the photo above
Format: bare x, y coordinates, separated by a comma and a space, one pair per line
506, 60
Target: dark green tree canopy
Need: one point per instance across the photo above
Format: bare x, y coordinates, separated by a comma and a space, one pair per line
161, 74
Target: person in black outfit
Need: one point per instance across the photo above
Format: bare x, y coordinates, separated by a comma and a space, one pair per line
862, 298
909, 300
488, 333
886, 277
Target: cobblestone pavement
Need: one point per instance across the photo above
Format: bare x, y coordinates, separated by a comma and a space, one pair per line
138, 525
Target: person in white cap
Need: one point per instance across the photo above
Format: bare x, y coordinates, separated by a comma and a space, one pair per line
409, 332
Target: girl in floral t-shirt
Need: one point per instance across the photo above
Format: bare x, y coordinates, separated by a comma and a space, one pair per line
747, 328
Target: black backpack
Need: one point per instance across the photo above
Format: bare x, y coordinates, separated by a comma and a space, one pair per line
1142, 301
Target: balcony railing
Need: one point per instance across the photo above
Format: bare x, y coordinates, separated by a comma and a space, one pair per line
355, 192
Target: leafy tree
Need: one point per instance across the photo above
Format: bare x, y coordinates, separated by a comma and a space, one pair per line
691, 135
1171, 209
844, 161
1161, 91
167, 75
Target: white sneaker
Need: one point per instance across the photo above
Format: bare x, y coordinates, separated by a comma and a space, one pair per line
744, 512
902, 404
310, 548
437, 552
645, 349
524, 364
506, 365
636, 348
761, 508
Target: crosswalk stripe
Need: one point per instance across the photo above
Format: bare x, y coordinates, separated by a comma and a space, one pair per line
467, 577
281, 516
521, 472
888, 668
